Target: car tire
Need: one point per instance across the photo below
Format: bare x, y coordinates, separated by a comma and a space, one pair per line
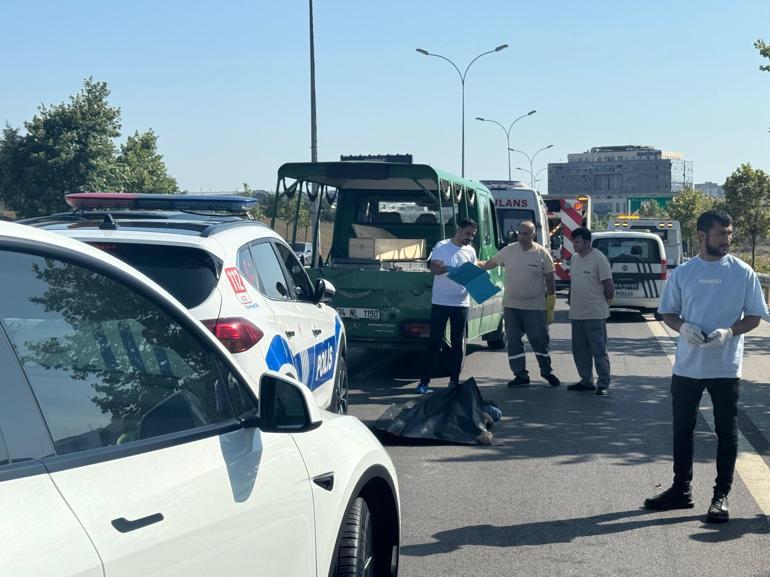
496, 340
339, 402
355, 553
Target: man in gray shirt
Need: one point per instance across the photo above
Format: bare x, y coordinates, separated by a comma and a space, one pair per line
591, 289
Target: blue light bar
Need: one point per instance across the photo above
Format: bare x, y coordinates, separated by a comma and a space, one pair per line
189, 202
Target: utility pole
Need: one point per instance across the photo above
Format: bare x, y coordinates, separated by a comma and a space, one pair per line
315, 205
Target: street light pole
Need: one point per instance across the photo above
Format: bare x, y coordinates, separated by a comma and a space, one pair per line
531, 160
507, 134
535, 178
462, 83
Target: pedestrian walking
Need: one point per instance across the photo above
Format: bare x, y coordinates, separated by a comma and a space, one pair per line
528, 302
712, 300
450, 301
591, 290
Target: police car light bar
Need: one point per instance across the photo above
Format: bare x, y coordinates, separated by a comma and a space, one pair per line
130, 201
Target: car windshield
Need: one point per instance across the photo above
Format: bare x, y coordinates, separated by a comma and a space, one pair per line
629, 249
301, 246
190, 274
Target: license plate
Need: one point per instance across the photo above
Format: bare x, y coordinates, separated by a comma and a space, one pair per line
359, 313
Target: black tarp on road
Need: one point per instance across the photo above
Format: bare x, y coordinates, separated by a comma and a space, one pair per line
452, 414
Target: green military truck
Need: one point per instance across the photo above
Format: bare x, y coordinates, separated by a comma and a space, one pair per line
388, 218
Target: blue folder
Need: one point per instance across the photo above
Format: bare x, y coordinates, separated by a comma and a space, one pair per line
475, 280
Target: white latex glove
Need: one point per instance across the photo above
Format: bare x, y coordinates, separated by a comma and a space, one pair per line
692, 333
718, 337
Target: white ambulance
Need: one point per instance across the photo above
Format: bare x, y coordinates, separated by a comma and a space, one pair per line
515, 202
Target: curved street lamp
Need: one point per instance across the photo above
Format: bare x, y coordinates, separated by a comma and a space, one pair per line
507, 134
527, 170
462, 82
531, 160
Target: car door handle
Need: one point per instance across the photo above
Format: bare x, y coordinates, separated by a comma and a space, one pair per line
325, 481
289, 333
124, 525
316, 332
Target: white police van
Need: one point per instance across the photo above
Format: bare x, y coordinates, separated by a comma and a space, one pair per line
236, 275
639, 267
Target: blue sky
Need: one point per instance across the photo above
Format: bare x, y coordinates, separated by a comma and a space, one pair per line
225, 85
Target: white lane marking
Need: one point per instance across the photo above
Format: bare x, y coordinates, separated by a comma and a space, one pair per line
752, 469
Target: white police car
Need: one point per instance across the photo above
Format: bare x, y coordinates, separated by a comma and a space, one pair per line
133, 444
236, 275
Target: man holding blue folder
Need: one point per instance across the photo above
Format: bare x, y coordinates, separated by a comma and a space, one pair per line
450, 301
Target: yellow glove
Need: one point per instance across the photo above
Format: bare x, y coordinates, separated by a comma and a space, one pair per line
550, 304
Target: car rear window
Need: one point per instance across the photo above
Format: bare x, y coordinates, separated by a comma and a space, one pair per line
629, 249
190, 274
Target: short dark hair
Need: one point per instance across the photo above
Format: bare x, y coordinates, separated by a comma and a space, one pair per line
582, 232
708, 219
468, 222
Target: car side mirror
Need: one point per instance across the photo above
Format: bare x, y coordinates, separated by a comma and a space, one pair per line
286, 406
512, 236
555, 243
324, 291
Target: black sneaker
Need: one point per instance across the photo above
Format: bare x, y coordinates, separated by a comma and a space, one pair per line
602, 391
552, 379
719, 510
519, 381
672, 498
581, 386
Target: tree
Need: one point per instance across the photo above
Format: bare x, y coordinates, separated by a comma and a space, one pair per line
141, 168
70, 147
764, 51
686, 207
651, 209
747, 198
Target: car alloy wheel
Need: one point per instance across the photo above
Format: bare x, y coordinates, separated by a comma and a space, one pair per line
340, 394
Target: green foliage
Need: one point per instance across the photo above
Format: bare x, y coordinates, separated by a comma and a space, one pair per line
747, 199
652, 209
686, 207
764, 51
600, 221
69, 147
141, 168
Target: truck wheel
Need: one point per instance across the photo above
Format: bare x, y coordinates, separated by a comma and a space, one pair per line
339, 402
496, 340
355, 553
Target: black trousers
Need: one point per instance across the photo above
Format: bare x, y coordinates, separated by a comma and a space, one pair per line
686, 394
458, 318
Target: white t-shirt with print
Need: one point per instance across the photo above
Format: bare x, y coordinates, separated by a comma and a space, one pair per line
446, 291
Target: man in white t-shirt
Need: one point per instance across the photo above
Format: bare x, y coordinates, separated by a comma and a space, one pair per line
450, 301
712, 300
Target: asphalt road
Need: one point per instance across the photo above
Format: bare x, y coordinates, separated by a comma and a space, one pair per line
559, 491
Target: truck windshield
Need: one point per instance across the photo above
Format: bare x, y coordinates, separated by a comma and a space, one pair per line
378, 210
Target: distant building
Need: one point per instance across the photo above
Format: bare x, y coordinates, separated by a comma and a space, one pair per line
711, 188
613, 174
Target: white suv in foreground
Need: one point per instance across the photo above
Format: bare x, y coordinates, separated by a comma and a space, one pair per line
134, 445
236, 275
